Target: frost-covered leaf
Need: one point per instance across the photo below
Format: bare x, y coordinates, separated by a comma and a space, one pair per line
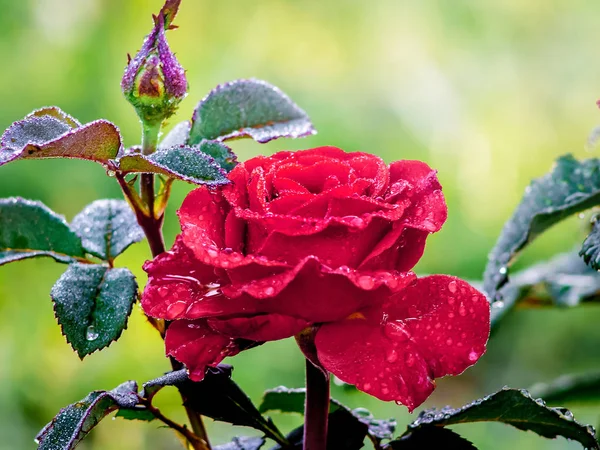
177, 136
29, 229
564, 281
139, 413
242, 443
431, 438
74, 422
92, 304
248, 108
513, 407
571, 187
217, 396
107, 228
291, 400
184, 163
222, 154
343, 433
51, 133
574, 388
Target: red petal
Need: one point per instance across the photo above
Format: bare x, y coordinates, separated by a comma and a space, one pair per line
196, 345
175, 280
437, 326
267, 327
203, 213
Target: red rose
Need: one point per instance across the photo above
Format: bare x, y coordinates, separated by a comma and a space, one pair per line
327, 238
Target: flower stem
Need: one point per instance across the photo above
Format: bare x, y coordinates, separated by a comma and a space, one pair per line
152, 226
316, 408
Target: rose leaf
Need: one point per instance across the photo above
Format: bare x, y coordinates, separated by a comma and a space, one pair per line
514, 407
572, 186
92, 304
29, 229
590, 249
51, 133
248, 108
184, 163
431, 437
107, 228
139, 413
74, 422
291, 400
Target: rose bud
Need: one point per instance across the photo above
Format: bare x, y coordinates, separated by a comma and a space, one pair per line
323, 239
154, 82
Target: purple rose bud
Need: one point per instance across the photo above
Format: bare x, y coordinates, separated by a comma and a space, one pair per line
154, 82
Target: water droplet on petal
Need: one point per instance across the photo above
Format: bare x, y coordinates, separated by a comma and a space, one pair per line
91, 334
366, 282
269, 290
392, 356
449, 342
366, 386
452, 287
473, 356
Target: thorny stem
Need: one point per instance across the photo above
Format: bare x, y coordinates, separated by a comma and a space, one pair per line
152, 226
316, 409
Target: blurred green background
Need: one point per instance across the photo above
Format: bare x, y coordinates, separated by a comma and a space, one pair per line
490, 93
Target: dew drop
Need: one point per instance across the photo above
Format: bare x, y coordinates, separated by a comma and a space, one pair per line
503, 270
473, 356
462, 310
110, 173
366, 386
410, 360
452, 287
269, 290
498, 304
91, 334
392, 356
366, 282
385, 391
449, 342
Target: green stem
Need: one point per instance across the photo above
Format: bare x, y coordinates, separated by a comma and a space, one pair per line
316, 408
149, 143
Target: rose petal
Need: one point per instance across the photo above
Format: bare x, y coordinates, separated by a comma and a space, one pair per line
437, 326
266, 327
196, 345
203, 212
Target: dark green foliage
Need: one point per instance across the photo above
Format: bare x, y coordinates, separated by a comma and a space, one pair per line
248, 108
564, 281
431, 437
51, 133
92, 304
184, 163
107, 228
292, 401
29, 229
343, 433
571, 187
220, 152
575, 388
217, 396
513, 407
75, 421
242, 443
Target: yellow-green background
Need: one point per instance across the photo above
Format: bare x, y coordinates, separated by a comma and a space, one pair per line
488, 92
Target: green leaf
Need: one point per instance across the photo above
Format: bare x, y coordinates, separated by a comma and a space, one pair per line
51, 133
136, 414
217, 396
590, 249
74, 422
513, 407
431, 438
564, 281
222, 154
248, 108
291, 400
29, 229
92, 304
571, 187
184, 163
575, 388
107, 228
343, 433
242, 443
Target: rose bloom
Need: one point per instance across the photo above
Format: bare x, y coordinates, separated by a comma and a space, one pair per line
323, 239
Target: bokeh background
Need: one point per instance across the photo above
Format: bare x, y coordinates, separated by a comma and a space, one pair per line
490, 93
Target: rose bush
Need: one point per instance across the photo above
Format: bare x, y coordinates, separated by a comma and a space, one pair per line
327, 239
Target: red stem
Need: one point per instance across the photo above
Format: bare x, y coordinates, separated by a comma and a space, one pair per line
316, 408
